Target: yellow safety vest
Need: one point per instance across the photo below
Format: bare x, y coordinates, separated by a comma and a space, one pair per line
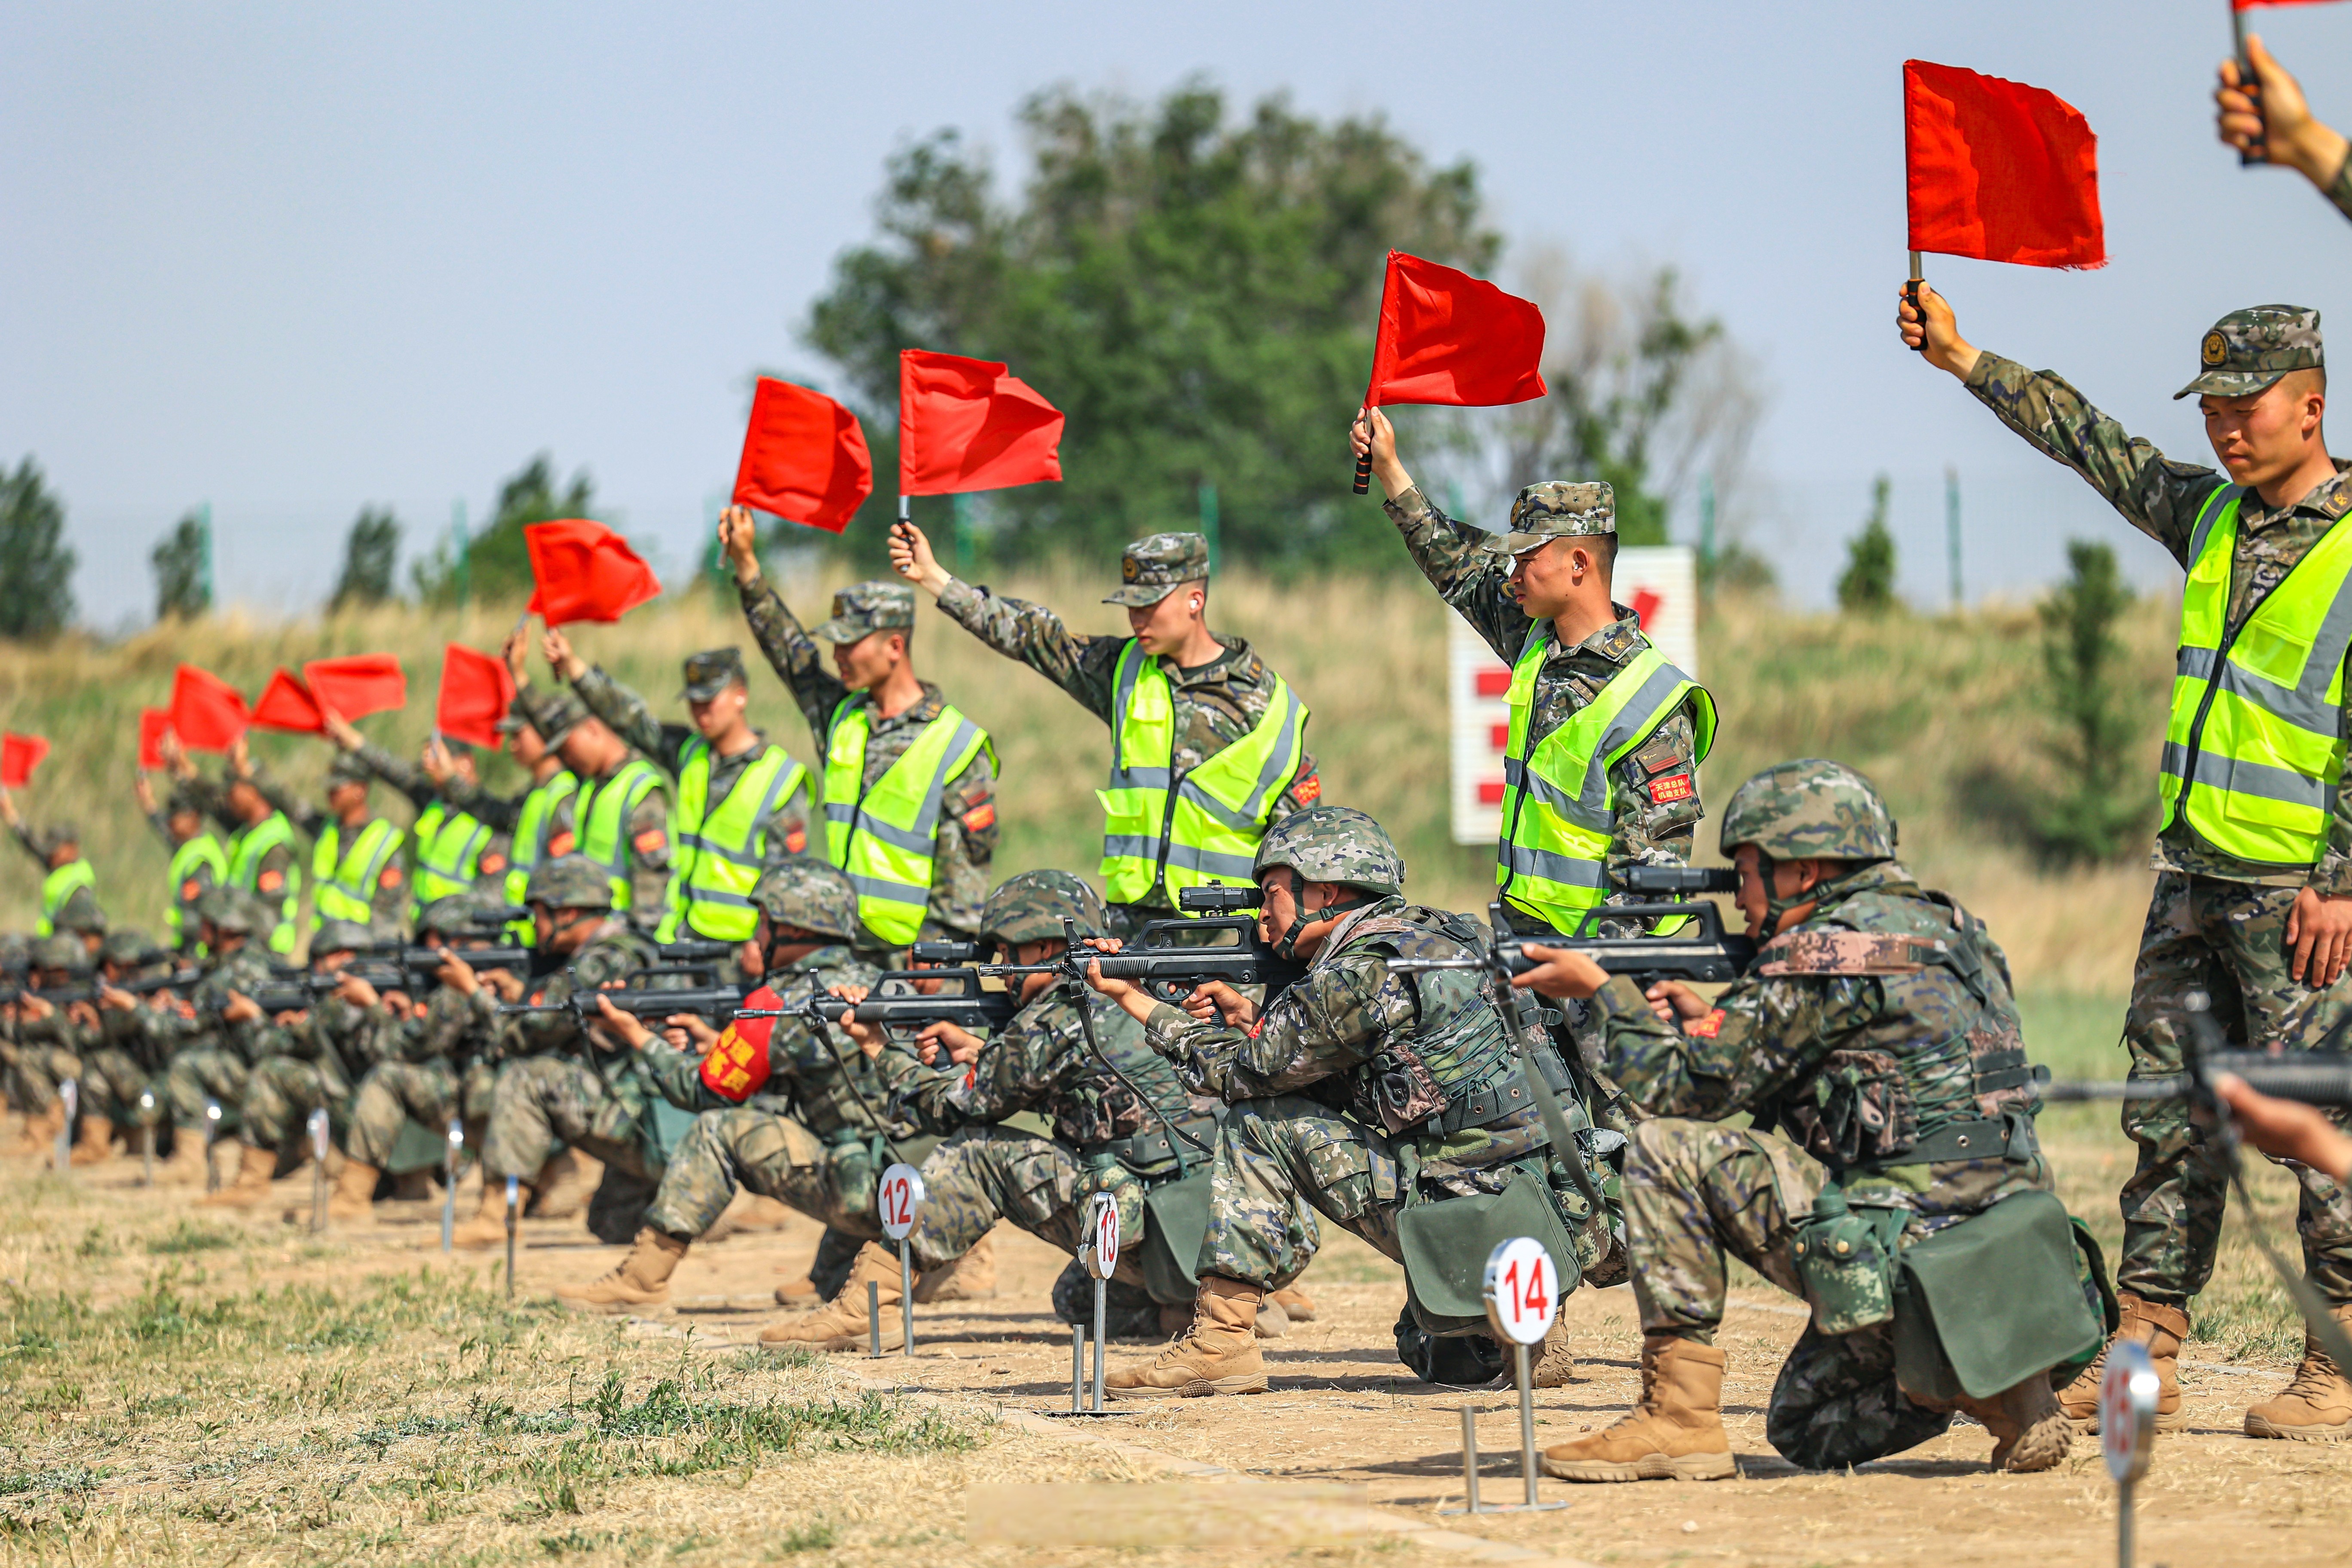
58, 887
602, 816
198, 854
2251, 755
1194, 829
883, 837
343, 882
531, 826
721, 851
1560, 805
247, 846
449, 845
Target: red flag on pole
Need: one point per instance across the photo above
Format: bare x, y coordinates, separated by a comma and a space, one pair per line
207, 713
154, 723
476, 692
286, 704
964, 424
358, 684
1448, 337
19, 755
1999, 170
804, 458
585, 572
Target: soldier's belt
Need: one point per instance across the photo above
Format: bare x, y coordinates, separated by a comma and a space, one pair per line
1985, 1138
1143, 1150
1508, 1097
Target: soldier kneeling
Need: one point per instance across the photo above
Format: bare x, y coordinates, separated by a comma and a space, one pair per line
1908, 1202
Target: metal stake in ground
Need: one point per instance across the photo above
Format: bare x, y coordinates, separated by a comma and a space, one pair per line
900, 1196
2128, 1391
1522, 1294
212, 1136
1101, 1258
319, 1146
146, 1137
69, 1096
449, 1185
514, 1221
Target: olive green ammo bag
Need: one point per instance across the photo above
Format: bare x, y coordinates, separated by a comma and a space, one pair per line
1175, 1227
1984, 1304
1445, 1242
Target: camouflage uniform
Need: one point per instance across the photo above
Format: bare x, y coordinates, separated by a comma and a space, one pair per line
2216, 924
50, 1050
966, 839
213, 1061
2339, 190
552, 715
200, 879
272, 869
644, 840
1853, 1038
1215, 705
133, 1046
423, 1064
559, 1085
411, 779
388, 899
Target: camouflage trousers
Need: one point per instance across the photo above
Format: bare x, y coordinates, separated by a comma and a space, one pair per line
774, 1156
1280, 1161
280, 1092
543, 1101
391, 1096
2229, 940
1696, 1191
983, 1174
111, 1082
204, 1073
34, 1077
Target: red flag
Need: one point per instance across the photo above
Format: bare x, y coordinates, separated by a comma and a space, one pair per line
1999, 170
476, 691
358, 684
804, 458
2251, 4
19, 755
286, 704
585, 572
207, 713
964, 424
1448, 337
154, 723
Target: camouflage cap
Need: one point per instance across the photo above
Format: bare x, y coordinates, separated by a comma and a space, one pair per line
130, 946
518, 714
1557, 508
1333, 844
232, 911
570, 882
554, 713
55, 837
457, 913
184, 797
1794, 811
80, 914
1151, 569
62, 952
812, 894
708, 674
15, 951
1032, 906
864, 608
347, 768
342, 936
2248, 351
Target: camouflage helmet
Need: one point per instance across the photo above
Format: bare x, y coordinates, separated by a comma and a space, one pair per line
1032, 906
342, 936
15, 949
80, 914
231, 911
1333, 844
64, 952
570, 882
1808, 808
458, 914
130, 945
812, 894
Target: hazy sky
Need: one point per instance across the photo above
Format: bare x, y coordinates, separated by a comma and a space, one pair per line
295, 259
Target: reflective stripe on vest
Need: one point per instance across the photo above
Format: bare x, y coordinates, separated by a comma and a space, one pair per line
1560, 805
58, 887
343, 882
721, 852
2252, 753
538, 814
247, 846
1220, 809
883, 837
202, 852
602, 815
449, 845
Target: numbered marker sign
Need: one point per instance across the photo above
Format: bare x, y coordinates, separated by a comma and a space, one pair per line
2128, 1391
1102, 1229
318, 1135
901, 1195
1522, 1290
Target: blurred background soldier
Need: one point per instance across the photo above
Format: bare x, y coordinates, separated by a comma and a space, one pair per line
620, 811
198, 862
59, 849
263, 859
51, 1036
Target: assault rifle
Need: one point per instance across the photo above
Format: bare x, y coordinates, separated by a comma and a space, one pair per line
895, 1003
1170, 959
581, 1004
87, 991
1707, 956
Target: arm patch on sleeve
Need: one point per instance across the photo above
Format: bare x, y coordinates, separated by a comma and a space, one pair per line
1671, 788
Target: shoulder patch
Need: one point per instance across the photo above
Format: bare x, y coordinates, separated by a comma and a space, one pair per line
1659, 755
651, 840
391, 878
1308, 789
1706, 1028
1833, 952
270, 881
1672, 787
493, 864
562, 844
981, 817
796, 840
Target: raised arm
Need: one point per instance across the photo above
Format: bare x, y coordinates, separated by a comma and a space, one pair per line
1083, 666
791, 652
1452, 555
2289, 133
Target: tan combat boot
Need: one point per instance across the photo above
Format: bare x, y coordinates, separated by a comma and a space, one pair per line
488, 1225
94, 1142
1297, 1304
1555, 1366
354, 1194
186, 1164
2315, 1406
2160, 1329
842, 1325
1218, 1355
2030, 1430
252, 1184
564, 1185
41, 1129
640, 1280
972, 1278
1675, 1434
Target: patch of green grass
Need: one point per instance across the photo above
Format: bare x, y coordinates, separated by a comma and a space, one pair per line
815, 1536
186, 1237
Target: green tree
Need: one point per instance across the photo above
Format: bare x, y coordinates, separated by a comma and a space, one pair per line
370, 551
2098, 815
1196, 292
1866, 587
36, 567
495, 563
181, 559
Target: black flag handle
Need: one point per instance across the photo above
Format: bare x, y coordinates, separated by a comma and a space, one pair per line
2258, 149
1911, 297
1364, 463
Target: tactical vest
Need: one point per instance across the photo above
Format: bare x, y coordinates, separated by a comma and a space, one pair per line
721, 848
1559, 804
883, 838
202, 852
343, 882
1199, 828
531, 826
449, 845
2251, 754
58, 887
247, 846
601, 814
